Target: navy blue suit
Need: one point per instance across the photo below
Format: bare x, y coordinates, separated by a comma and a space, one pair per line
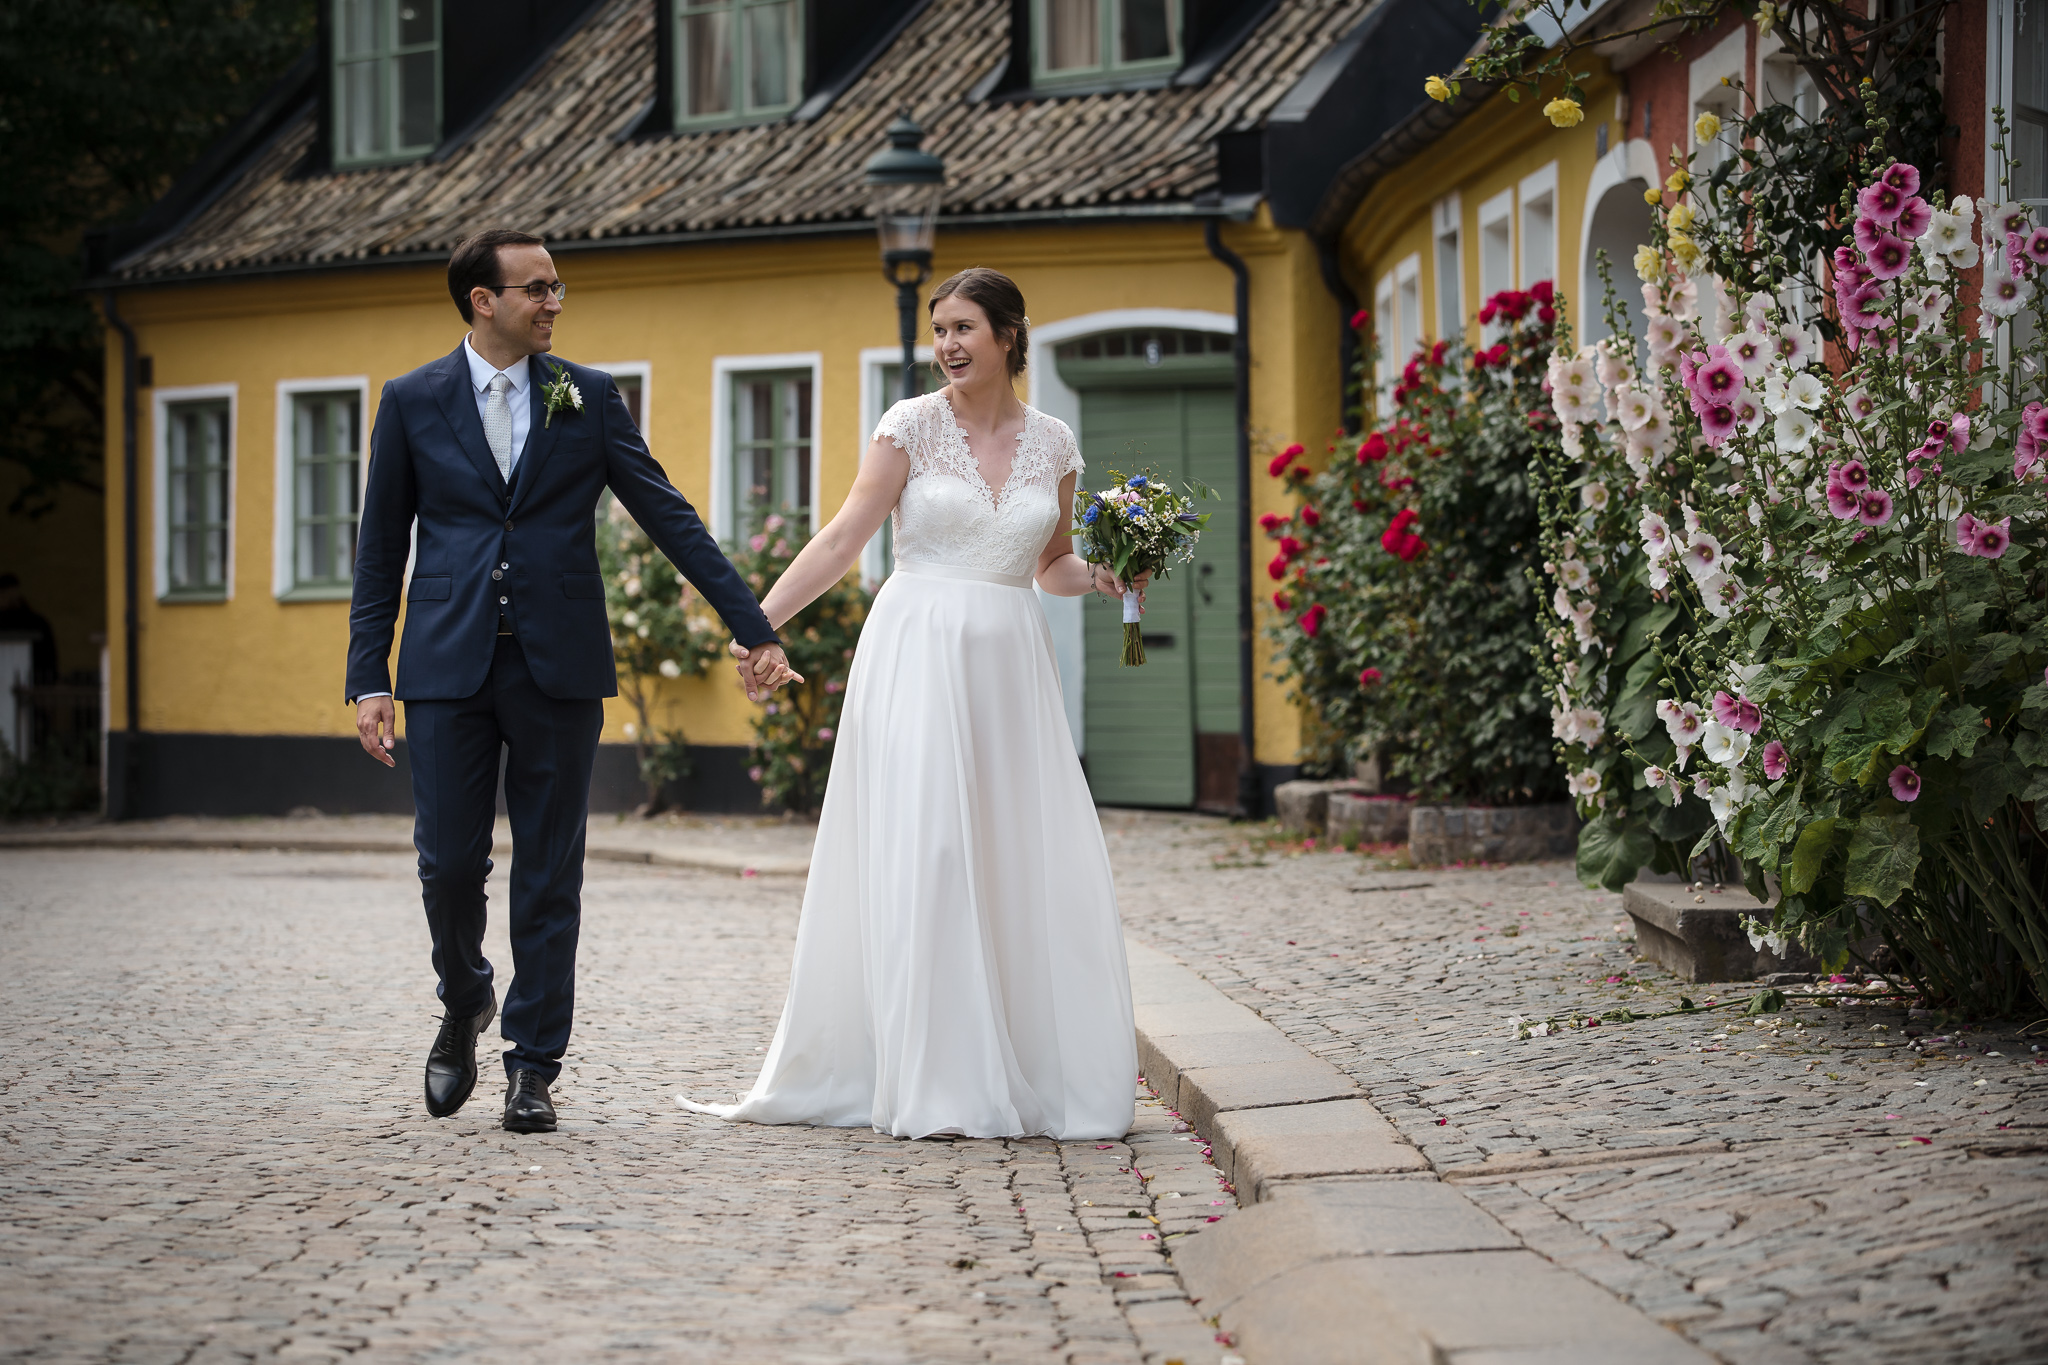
507, 648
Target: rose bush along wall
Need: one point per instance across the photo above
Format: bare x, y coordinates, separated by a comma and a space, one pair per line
1826, 636
1403, 582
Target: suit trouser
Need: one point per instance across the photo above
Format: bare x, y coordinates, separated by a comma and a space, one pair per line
549, 745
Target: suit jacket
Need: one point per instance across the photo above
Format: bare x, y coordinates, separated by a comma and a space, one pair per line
528, 551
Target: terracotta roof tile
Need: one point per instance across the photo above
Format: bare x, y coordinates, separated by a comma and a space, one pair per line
548, 158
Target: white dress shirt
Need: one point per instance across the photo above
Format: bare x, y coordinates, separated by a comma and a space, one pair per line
520, 373
480, 375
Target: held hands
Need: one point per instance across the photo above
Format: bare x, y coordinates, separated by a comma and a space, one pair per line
377, 727
763, 669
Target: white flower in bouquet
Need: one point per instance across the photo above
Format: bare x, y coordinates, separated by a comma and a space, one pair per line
1616, 366
1633, 407
1948, 239
1574, 574
1595, 496
1572, 386
1793, 431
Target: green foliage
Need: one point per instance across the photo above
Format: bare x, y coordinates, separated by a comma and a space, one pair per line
661, 630
60, 777
795, 730
1404, 579
104, 103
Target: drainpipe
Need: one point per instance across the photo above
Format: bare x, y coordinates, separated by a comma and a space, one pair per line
131, 538
1250, 799
1347, 336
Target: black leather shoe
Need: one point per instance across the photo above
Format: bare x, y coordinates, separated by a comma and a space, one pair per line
451, 1062
527, 1106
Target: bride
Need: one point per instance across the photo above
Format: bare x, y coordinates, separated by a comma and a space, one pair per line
959, 962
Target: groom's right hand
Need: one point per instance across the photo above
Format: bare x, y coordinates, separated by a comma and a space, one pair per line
377, 727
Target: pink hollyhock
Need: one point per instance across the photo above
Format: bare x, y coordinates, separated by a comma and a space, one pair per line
1843, 502
1918, 472
1902, 176
1368, 677
1866, 233
1889, 257
1881, 201
1994, 538
1312, 619
2037, 246
1854, 474
1718, 423
1738, 713
1915, 217
1774, 760
1374, 447
1875, 508
1905, 783
1859, 308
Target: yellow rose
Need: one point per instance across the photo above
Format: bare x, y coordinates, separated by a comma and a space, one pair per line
1649, 265
1706, 128
1677, 181
1653, 196
1680, 217
1437, 89
1564, 113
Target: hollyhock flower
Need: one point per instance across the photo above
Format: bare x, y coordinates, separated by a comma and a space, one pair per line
1717, 423
1989, 540
1859, 308
1369, 677
1948, 239
1905, 783
1843, 502
1583, 783
1874, 508
1311, 620
1660, 575
1633, 408
1749, 417
1914, 216
1888, 257
1854, 474
1902, 176
1793, 430
1866, 232
1663, 335
1594, 496
1881, 202
1703, 555
1722, 594
2005, 218
2035, 244
1374, 447
2004, 293
1615, 366
1655, 777
1775, 765
1656, 534
1738, 713
1752, 351
1926, 310
1681, 721
1719, 378
1722, 745
1574, 574
1861, 405
1795, 346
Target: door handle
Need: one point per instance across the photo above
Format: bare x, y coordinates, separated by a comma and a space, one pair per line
1202, 584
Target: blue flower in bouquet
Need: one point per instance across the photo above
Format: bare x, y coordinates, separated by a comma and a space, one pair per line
1134, 512
1138, 481
1091, 516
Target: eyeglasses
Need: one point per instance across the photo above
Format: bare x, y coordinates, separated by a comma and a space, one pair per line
535, 291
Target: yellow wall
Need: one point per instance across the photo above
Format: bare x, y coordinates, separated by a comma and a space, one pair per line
1490, 151
254, 665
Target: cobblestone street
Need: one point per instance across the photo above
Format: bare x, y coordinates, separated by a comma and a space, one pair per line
1819, 1184
214, 1148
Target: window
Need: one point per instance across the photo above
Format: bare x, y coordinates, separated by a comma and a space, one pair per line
884, 389
387, 79
1408, 306
1496, 251
1386, 336
631, 377
771, 446
1450, 269
2029, 108
737, 61
1539, 226
326, 488
1089, 41
193, 560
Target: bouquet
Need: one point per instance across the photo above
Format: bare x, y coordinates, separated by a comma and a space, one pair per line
1138, 526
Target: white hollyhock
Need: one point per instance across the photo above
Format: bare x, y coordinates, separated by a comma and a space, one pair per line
1703, 557
1664, 336
1793, 431
2006, 218
1682, 721
1796, 346
1723, 745
1595, 496
1722, 593
1633, 408
1948, 239
1574, 574
1583, 783
2004, 293
1752, 351
1656, 534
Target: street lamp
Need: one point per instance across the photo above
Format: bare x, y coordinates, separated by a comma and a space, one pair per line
908, 183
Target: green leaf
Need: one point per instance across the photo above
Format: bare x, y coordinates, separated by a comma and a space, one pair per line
1810, 854
1884, 853
1766, 1002
1992, 776
1993, 651
1612, 851
1636, 637
2035, 698
1956, 732
2030, 748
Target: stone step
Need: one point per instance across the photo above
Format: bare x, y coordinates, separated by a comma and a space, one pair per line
1698, 935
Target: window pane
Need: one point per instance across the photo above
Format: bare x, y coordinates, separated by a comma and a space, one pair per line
707, 63
1073, 30
629, 389
356, 27
415, 23
362, 125
416, 99
771, 56
1147, 30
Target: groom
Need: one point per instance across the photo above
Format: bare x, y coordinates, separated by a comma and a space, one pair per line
485, 467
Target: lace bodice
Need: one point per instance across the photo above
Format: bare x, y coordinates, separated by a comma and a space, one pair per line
949, 515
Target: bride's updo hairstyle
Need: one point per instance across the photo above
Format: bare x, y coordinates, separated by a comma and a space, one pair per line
999, 299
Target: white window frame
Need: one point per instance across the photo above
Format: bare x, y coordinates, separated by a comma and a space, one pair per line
741, 112
1447, 228
284, 508
1537, 191
1109, 67
387, 65
1407, 291
723, 369
644, 372
160, 436
1386, 334
1498, 210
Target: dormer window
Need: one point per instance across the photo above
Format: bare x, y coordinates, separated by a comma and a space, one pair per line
1104, 42
387, 80
737, 61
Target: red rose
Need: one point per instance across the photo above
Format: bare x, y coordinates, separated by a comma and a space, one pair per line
1358, 504
1436, 352
1296, 449
1486, 313
1542, 292
1311, 517
1278, 465
1281, 602
1270, 521
1312, 619
1359, 319
1546, 315
1289, 546
1369, 677
1498, 355
1373, 448
1278, 568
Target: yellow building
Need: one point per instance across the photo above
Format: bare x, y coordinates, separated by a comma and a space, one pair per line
1145, 170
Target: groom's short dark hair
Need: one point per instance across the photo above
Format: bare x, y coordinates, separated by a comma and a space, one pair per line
475, 262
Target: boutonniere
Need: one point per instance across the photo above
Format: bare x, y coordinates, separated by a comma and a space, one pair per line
560, 395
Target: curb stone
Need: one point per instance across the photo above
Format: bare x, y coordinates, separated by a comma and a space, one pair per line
1352, 1250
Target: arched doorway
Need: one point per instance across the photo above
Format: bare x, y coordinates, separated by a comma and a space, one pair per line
1620, 221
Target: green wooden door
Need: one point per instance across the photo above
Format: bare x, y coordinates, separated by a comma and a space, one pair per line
1141, 722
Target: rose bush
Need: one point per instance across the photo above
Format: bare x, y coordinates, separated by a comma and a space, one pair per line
1827, 637
1402, 584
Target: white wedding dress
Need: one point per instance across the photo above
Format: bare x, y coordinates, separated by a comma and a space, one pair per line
959, 962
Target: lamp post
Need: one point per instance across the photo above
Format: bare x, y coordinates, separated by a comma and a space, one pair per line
908, 183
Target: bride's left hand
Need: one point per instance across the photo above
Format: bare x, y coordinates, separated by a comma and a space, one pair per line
1117, 587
